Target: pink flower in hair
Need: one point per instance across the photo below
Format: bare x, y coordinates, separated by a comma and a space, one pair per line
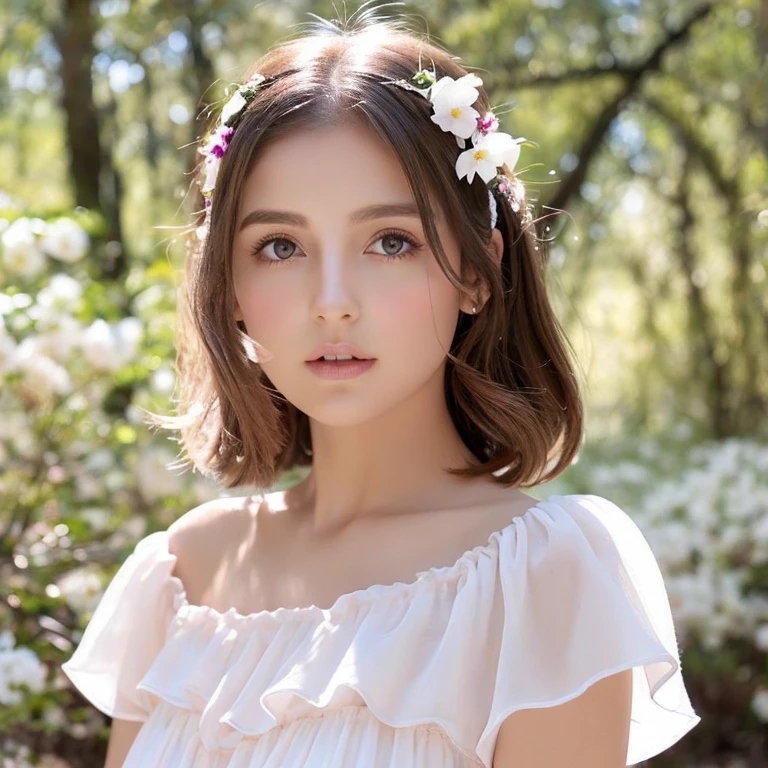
488, 123
219, 141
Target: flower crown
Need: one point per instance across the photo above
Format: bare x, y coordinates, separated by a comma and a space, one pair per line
452, 102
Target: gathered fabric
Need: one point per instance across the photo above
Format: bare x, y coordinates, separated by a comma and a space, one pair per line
405, 675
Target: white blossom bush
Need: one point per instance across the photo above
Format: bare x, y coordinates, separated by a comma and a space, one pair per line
82, 476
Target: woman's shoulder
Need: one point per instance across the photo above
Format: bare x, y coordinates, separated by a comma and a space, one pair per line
211, 521
207, 535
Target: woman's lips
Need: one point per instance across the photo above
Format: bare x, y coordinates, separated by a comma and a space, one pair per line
339, 369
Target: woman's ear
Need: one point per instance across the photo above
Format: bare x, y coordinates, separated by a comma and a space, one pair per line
497, 250
497, 243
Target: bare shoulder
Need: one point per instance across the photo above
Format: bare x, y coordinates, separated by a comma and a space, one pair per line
206, 536
210, 518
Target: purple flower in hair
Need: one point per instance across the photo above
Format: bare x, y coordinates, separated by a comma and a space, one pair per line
488, 123
219, 141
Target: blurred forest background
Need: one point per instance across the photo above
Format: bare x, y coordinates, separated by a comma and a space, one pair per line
651, 172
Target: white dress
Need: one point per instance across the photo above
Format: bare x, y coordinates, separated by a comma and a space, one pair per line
405, 675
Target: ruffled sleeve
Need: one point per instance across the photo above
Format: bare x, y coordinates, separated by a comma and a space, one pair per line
584, 598
126, 632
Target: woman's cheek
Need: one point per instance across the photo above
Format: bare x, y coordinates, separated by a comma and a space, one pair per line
265, 312
414, 305
426, 314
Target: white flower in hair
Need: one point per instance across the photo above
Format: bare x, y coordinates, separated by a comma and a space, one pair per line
233, 107
488, 152
211, 172
452, 102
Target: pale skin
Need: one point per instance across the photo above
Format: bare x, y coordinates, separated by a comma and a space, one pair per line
377, 506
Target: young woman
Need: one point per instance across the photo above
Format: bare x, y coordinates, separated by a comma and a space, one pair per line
406, 605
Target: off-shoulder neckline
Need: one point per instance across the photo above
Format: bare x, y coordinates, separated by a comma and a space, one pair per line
365, 595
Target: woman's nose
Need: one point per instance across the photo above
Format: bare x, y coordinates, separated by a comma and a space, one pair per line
334, 287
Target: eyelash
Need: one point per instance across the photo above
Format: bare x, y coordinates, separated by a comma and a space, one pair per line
399, 234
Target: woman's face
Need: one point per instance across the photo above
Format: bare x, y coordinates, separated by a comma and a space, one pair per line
338, 254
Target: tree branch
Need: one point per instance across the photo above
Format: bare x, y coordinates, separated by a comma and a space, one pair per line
625, 71
632, 81
727, 186
568, 76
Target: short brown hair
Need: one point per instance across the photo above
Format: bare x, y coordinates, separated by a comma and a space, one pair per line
509, 382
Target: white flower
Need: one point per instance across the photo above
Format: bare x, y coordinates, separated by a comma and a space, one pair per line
212, 164
109, 348
98, 345
21, 254
233, 107
63, 292
61, 340
55, 303
82, 589
19, 666
65, 240
42, 377
30, 671
452, 102
487, 154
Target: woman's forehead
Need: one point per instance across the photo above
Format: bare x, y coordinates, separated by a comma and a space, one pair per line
329, 165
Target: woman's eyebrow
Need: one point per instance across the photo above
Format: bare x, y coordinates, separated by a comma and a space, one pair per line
379, 211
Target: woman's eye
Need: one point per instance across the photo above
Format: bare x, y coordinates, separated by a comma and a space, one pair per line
392, 244
276, 250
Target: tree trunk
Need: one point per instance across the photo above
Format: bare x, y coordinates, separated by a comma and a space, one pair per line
706, 365
201, 79
95, 181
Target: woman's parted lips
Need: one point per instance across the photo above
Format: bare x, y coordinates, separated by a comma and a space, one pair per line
338, 349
